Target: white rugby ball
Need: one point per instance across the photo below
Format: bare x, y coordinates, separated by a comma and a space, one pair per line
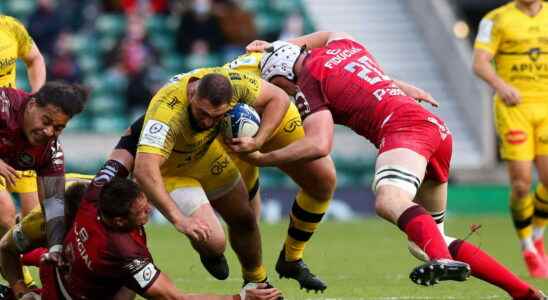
241, 121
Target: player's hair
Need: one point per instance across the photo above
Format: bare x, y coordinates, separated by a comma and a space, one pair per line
117, 196
73, 197
216, 88
70, 98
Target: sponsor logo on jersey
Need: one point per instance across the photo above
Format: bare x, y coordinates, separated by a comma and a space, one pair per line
146, 275
484, 32
25, 160
154, 134
293, 124
173, 102
543, 139
516, 137
219, 164
340, 56
7, 62
234, 76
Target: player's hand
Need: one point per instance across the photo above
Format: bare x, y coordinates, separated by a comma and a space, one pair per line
9, 173
257, 46
243, 144
417, 93
508, 94
260, 292
256, 158
53, 257
197, 230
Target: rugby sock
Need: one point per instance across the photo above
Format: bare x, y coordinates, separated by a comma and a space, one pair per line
488, 269
27, 277
420, 228
306, 214
540, 215
439, 218
32, 258
254, 275
522, 215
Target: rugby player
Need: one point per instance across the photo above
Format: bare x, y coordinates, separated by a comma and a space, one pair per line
339, 81
16, 43
514, 37
186, 173
30, 125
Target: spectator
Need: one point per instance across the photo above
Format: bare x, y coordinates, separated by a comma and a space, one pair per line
199, 23
63, 64
237, 34
45, 24
200, 56
136, 6
293, 27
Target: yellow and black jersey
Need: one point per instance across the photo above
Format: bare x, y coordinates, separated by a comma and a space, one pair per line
15, 42
519, 44
249, 62
168, 129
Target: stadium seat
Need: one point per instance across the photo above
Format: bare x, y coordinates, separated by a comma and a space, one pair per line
110, 123
110, 24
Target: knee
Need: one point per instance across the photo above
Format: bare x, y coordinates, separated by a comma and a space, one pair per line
325, 187
520, 187
7, 218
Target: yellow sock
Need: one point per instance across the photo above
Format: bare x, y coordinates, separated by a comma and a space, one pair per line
255, 275
306, 214
27, 277
522, 215
541, 206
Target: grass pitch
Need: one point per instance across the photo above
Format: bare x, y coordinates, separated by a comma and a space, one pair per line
363, 259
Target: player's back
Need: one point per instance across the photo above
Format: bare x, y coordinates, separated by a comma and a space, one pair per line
353, 86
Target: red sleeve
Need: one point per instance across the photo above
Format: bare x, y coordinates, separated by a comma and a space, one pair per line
110, 169
310, 98
54, 162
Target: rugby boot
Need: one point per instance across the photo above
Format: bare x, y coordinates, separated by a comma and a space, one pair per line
532, 294
435, 271
299, 271
539, 245
216, 266
535, 264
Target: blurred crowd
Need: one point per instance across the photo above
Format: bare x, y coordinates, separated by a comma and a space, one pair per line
126, 49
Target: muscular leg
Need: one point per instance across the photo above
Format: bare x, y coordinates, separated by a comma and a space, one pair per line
243, 231
28, 202
317, 181
7, 212
521, 202
541, 202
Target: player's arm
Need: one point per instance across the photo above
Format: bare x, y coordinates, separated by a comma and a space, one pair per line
272, 104
148, 175
36, 68
316, 143
51, 191
11, 264
415, 92
484, 69
164, 289
313, 40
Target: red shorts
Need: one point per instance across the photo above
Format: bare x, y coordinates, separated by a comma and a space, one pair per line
417, 129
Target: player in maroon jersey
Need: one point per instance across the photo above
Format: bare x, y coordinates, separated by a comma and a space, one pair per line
339, 81
30, 125
105, 250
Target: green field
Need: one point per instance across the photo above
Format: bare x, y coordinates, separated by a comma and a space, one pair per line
365, 259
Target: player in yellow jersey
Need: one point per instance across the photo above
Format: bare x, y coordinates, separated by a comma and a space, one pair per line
511, 55
316, 178
184, 170
16, 43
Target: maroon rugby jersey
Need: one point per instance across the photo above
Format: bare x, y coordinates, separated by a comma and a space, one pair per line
101, 261
15, 149
344, 78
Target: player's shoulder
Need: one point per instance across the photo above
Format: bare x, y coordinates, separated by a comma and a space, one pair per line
502, 12
128, 244
12, 99
6, 20
248, 62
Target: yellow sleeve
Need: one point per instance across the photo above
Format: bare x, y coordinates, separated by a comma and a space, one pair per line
489, 33
162, 122
24, 41
246, 86
248, 62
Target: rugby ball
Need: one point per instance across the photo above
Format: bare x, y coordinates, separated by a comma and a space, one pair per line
241, 121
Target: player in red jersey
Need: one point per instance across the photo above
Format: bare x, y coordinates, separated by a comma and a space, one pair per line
340, 82
30, 125
105, 250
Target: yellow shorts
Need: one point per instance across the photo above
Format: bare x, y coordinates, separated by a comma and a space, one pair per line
522, 129
215, 173
72, 178
26, 184
30, 233
290, 130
